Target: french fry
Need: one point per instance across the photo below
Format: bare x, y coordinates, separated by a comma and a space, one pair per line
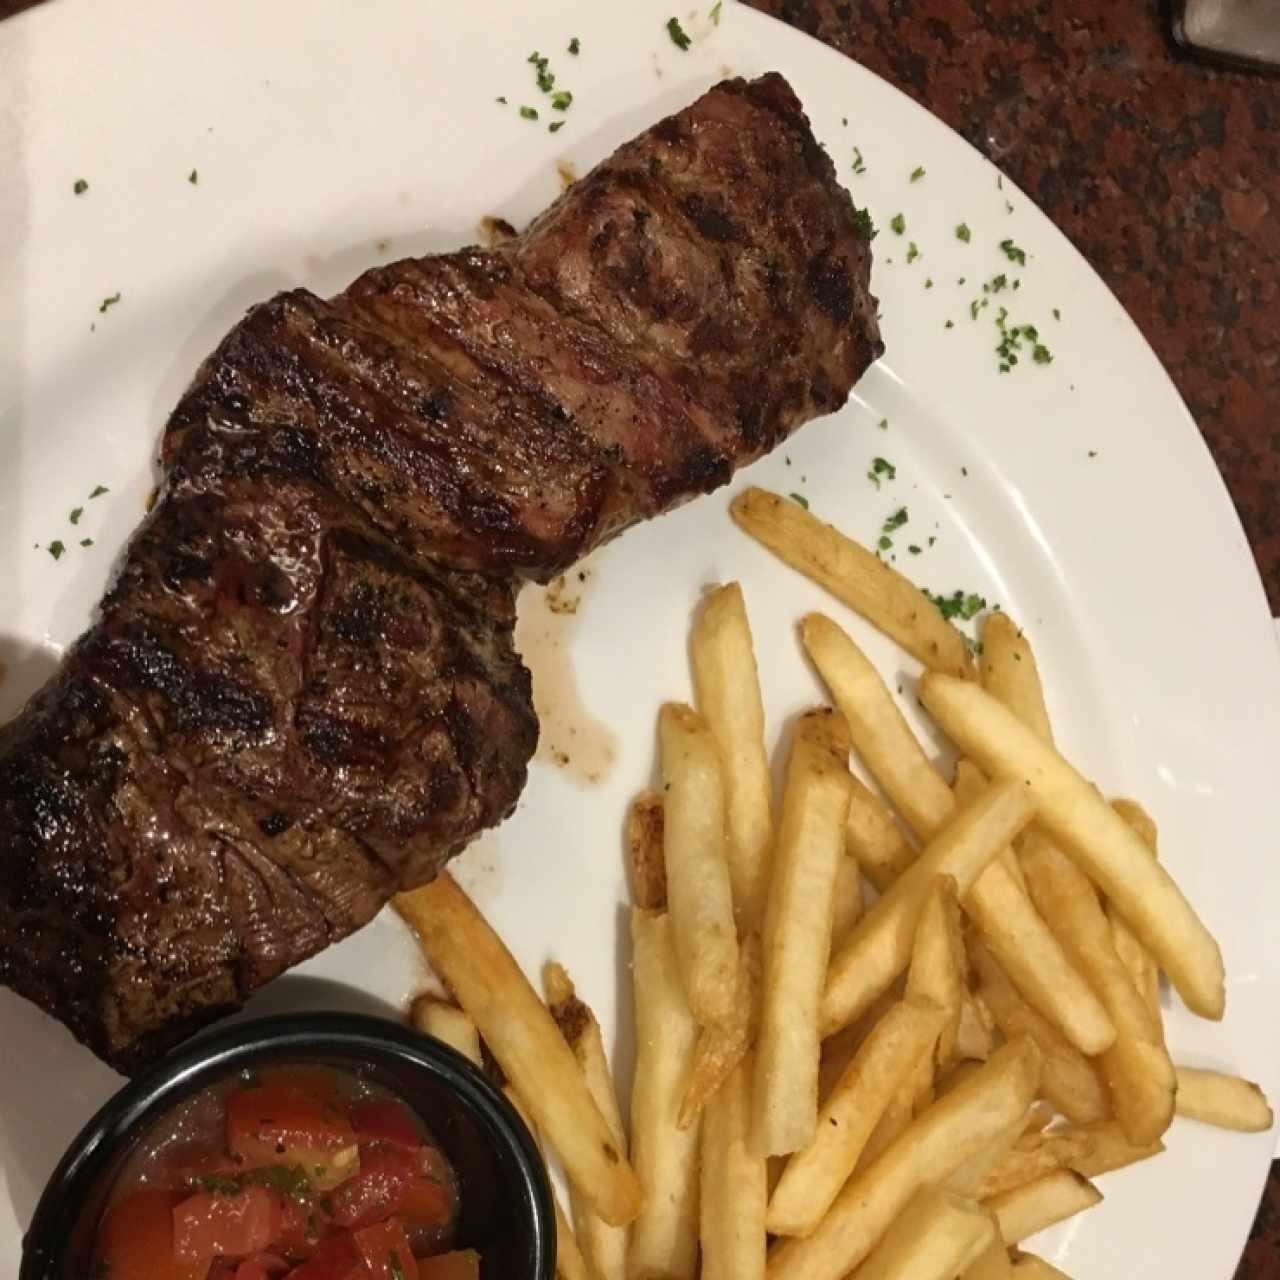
994, 1097
1027, 1266
605, 1246
939, 964
490, 986
734, 1185
846, 899
448, 1023
897, 1116
854, 575
975, 1039
1108, 1148
936, 1237
969, 1176
813, 1177
699, 898
646, 862
1212, 1097
664, 1238
797, 931
570, 1264
720, 1049
997, 901
1021, 1165
877, 728
1070, 1081
1101, 842
1009, 672
727, 691
1135, 957
1136, 1067
874, 838
838, 1050
1039, 1204
993, 1263
880, 946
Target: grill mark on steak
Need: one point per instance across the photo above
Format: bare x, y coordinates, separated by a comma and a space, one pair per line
301, 692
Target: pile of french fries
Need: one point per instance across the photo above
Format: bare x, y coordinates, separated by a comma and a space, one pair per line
880, 1033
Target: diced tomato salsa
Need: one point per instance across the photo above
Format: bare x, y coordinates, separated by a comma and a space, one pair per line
302, 1173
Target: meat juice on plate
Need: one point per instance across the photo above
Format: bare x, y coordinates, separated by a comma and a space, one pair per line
304, 1172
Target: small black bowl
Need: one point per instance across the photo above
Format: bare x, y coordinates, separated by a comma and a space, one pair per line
506, 1207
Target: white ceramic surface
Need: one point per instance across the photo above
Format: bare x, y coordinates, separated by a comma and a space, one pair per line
328, 136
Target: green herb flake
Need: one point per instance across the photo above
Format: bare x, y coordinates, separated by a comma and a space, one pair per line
545, 78
959, 604
56, 548
395, 1267
76, 513
575, 46
288, 1179
79, 186
885, 542
715, 13
86, 542
863, 225
1041, 354
561, 101
881, 467
950, 324
897, 224
915, 551
528, 113
193, 177
219, 1185
678, 37
928, 283
858, 165
501, 100
895, 521
916, 174
1057, 315
1013, 253
1093, 453
555, 126
963, 232
110, 301
800, 498
996, 283
99, 490
884, 424
912, 252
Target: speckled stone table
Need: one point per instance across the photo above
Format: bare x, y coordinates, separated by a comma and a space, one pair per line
1165, 174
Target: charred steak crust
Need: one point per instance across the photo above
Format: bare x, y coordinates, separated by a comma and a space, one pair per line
301, 693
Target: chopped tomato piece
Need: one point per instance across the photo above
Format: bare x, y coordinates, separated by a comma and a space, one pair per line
375, 1193
265, 1266
300, 1228
382, 1120
426, 1204
135, 1241
284, 1123
385, 1250
210, 1224
336, 1259
318, 1082
433, 1165
462, 1264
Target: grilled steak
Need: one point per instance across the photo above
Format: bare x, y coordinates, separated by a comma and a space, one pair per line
301, 693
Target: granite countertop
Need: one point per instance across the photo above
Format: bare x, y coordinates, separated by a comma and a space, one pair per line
1164, 173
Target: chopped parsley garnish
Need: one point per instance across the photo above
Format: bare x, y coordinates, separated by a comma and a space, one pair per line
863, 225
1057, 315
546, 80
289, 1180
897, 224
1012, 338
912, 252
881, 467
109, 302
1093, 453
800, 498
885, 542
555, 126
501, 100
959, 604
916, 174
858, 166
86, 542
99, 490
528, 113
996, 283
76, 513
884, 424
895, 521
951, 324
575, 46
56, 548
928, 283
193, 177
715, 13
561, 101
218, 1185
79, 186
678, 37
1041, 354
1013, 253
963, 232
915, 551
395, 1266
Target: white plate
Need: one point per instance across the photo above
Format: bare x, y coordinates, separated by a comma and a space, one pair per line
320, 129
